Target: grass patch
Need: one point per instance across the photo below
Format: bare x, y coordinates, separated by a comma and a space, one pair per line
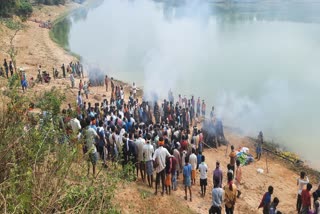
12, 24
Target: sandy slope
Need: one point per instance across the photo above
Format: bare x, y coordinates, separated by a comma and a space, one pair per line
35, 47
253, 187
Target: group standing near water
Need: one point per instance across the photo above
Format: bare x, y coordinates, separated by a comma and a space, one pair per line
162, 140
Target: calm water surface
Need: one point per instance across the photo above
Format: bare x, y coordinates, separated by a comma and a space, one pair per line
258, 62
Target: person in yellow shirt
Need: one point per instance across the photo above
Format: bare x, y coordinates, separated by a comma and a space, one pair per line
230, 194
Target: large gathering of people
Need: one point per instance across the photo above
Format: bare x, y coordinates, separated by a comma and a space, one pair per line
163, 139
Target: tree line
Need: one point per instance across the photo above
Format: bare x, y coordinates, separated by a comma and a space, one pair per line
23, 8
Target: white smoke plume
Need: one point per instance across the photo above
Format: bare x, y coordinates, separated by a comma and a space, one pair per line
259, 74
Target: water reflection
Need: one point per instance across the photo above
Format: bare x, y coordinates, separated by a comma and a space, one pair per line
61, 32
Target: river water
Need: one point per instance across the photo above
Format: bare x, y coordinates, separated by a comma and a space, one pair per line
257, 62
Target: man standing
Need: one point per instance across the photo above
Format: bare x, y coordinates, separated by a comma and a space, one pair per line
230, 194
140, 142
203, 168
134, 90
259, 145
203, 109
198, 107
90, 135
238, 178
217, 195
174, 172
102, 141
148, 151
302, 181
11, 68
306, 199
217, 174
187, 178
159, 158
112, 87
266, 201
176, 154
72, 80
233, 156
212, 113
63, 68
273, 207
193, 162
6, 68
106, 82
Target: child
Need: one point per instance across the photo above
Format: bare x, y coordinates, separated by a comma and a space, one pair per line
187, 178
168, 174
203, 168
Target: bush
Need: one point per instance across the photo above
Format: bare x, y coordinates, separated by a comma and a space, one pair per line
24, 9
51, 2
39, 175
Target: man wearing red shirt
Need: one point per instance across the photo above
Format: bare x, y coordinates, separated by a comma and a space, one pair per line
306, 199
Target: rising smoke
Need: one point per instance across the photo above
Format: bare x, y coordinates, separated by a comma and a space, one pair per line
260, 75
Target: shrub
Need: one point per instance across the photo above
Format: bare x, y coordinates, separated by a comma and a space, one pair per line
24, 9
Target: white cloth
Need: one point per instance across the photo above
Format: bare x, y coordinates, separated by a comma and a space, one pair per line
140, 142
75, 125
203, 168
148, 150
183, 158
161, 154
90, 135
302, 183
245, 150
193, 161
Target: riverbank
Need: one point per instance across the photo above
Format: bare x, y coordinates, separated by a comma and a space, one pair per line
35, 47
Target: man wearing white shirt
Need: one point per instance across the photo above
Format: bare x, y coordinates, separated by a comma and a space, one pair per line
75, 125
159, 157
140, 142
148, 151
203, 168
302, 181
193, 162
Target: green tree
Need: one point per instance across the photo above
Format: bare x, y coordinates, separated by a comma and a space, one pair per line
24, 9
21, 8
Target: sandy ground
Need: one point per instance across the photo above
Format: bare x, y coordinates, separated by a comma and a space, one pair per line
253, 186
35, 47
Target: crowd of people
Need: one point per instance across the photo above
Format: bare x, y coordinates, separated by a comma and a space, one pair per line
73, 70
166, 140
